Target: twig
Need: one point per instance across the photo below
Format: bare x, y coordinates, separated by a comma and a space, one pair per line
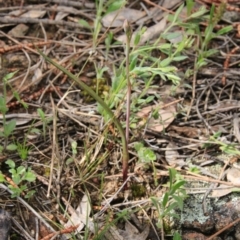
222, 230
214, 185
37, 21
64, 231
29, 207
82, 3
226, 64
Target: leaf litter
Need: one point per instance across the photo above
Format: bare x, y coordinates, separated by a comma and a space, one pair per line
175, 136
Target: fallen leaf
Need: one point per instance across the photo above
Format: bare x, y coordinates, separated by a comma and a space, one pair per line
220, 191
131, 232
80, 216
165, 116
29, 14
116, 18
233, 175
224, 105
21, 118
171, 4
37, 74
173, 157
150, 33
19, 31
64, 11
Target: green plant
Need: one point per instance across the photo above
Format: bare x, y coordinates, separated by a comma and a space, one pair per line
104, 105
123, 215
144, 65
128, 32
74, 152
44, 120
191, 26
176, 236
228, 148
145, 155
20, 176
101, 6
172, 199
8, 126
23, 149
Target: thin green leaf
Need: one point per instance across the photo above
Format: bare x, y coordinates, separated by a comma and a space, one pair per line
170, 207
165, 62
84, 23
176, 15
224, 30
155, 203
177, 186
202, 10
179, 58
133, 62
115, 6
165, 199
3, 107
41, 113
179, 201
29, 194
165, 45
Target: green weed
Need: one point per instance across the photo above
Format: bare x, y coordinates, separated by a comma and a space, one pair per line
191, 26
45, 120
172, 200
8, 126
20, 176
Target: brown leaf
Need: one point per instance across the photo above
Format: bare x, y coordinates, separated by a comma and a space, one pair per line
116, 18
221, 191
173, 157
233, 175
165, 116
131, 232
149, 34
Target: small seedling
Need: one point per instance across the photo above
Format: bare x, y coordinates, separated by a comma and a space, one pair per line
44, 120
20, 176
228, 148
23, 150
74, 152
146, 155
172, 199
8, 126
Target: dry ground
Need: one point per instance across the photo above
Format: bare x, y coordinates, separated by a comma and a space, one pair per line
76, 153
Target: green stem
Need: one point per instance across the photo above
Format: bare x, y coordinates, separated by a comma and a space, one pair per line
106, 108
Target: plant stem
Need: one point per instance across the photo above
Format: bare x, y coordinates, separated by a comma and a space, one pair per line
128, 32
104, 105
4, 113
